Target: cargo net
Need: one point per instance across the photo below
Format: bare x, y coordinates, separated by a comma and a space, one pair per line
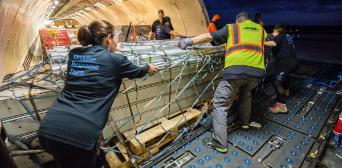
165, 107
150, 113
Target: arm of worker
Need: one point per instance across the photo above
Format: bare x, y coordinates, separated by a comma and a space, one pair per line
203, 38
151, 36
270, 43
185, 43
129, 70
219, 37
152, 33
169, 30
101, 141
176, 34
269, 40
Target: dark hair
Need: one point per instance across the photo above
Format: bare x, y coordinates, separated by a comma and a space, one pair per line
95, 32
160, 11
242, 16
279, 28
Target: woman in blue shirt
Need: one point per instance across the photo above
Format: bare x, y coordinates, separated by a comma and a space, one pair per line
73, 124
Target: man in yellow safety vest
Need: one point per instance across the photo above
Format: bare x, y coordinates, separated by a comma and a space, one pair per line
243, 70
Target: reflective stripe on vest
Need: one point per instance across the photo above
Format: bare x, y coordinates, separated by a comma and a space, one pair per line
245, 47
236, 34
247, 51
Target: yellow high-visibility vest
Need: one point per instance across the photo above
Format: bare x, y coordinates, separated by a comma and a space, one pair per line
245, 45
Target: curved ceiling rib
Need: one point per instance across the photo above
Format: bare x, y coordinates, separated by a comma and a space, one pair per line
21, 20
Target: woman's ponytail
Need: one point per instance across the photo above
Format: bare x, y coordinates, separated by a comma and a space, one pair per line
94, 33
84, 36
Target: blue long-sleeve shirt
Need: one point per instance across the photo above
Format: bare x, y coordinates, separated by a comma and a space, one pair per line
81, 110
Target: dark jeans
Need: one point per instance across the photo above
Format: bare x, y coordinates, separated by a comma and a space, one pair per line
281, 79
67, 156
280, 85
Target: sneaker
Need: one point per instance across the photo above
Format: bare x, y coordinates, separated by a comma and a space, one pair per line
286, 93
245, 127
255, 125
209, 143
278, 108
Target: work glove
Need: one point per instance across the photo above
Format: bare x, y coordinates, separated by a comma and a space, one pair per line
184, 43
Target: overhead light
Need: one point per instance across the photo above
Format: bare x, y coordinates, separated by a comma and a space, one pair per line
117, 1
56, 2
87, 9
80, 12
53, 7
99, 5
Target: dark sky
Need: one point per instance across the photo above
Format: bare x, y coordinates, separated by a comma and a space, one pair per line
293, 12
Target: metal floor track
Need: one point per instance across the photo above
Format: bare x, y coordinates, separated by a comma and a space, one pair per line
292, 140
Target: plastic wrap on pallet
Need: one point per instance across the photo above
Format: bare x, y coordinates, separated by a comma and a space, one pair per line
179, 67
184, 76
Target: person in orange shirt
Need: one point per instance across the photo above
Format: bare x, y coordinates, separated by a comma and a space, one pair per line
212, 27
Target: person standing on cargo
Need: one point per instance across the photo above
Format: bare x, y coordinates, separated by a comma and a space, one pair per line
244, 69
157, 26
73, 124
166, 31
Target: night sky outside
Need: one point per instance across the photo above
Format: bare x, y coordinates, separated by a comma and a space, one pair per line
292, 12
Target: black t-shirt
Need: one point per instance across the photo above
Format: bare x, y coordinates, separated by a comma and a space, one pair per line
81, 110
284, 53
156, 26
285, 46
235, 72
162, 32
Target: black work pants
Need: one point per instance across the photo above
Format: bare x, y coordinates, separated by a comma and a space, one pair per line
281, 79
67, 156
280, 86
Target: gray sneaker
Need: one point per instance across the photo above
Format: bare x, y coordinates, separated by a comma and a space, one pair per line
209, 143
255, 125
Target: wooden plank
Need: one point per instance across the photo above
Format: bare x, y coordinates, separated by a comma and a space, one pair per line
148, 138
129, 134
115, 162
156, 148
167, 125
123, 150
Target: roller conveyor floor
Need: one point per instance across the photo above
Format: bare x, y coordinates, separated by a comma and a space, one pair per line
293, 140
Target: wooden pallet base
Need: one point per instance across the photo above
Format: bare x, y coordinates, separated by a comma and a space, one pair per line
149, 141
155, 136
118, 160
